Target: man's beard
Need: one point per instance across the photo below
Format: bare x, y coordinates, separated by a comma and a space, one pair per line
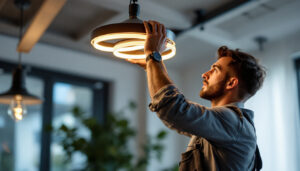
214, 91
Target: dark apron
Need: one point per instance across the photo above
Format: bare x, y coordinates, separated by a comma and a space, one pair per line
193, 160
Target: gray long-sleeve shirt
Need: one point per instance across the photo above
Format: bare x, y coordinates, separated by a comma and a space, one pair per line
227, 137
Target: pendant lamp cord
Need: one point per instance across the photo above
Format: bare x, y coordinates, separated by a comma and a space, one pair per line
21, 33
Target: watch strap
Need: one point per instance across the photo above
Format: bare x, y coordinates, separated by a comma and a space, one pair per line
149, 57
153, 57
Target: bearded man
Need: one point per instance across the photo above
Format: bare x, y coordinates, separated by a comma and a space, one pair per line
222, 136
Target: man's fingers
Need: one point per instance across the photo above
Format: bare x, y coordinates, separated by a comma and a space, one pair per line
158, 26
154, 27
160, 29
146, 24
164, 31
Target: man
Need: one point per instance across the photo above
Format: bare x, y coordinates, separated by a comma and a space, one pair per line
222, 136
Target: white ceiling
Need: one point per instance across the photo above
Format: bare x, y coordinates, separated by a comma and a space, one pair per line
237, 28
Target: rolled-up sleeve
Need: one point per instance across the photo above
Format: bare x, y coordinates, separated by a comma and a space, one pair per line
219, 124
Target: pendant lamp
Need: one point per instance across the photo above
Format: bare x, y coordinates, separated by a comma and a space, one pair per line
17, 96
127, 39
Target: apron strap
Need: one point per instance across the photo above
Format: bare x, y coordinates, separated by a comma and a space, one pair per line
258, 160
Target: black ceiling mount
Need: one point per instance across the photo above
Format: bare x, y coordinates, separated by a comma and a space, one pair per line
134, 9
202, 16
260, 40
199, 18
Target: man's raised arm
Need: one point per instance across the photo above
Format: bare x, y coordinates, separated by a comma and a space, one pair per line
156, 71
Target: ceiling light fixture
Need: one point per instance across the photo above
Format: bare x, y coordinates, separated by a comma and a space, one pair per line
17, 96
127, 39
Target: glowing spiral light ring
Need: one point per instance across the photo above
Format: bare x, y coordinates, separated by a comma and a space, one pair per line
134, 49
101, 42
126, 40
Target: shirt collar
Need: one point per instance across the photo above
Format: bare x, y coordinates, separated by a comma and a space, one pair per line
240, 105
237, 104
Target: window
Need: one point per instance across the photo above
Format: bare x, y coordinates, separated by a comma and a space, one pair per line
26, 145
65, 97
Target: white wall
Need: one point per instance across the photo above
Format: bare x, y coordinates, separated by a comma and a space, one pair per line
276, 106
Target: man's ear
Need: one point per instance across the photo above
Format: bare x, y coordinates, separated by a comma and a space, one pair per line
232, 83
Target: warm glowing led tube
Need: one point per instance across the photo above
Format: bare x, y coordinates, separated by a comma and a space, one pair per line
101, 43
134, 49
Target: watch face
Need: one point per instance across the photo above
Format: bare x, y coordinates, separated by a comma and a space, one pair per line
156, 56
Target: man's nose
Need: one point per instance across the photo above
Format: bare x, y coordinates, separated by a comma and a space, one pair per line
205, 76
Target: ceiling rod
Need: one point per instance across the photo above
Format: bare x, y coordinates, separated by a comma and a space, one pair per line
203, 17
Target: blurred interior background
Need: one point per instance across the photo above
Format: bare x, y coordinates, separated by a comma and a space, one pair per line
65, 70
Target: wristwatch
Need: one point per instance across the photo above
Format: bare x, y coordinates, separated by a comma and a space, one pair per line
155, 56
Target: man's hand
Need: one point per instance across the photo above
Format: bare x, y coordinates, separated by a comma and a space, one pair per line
155, 41
156, 37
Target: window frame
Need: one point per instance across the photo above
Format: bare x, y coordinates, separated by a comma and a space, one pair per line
50, 77
297, 68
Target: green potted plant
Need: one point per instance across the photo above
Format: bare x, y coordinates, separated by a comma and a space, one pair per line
107, 149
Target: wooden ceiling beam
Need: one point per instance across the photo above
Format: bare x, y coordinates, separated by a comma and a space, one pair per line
41, 21
2, 3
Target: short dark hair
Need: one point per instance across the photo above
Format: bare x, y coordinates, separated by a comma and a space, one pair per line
250, 73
